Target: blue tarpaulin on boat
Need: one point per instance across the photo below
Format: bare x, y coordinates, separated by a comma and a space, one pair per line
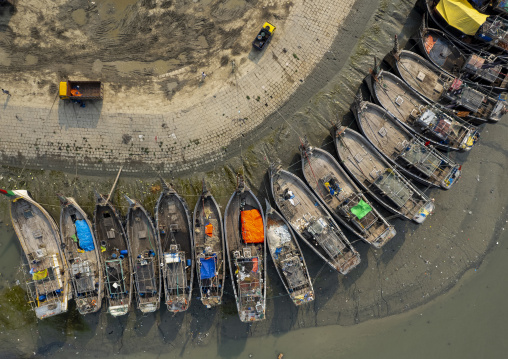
84, 235
208, 267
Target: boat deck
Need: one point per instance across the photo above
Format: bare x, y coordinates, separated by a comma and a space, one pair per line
428, 82
37, 232
208, 245
246, 259
366, 165
442, 52
440, 87
288, 259
111, 237
413, 111
145, 253
85, 265
337, 191
395, 96
40, 243
312, 222
176, 245
401, 147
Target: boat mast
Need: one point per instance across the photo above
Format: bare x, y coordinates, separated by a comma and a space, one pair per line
114, 184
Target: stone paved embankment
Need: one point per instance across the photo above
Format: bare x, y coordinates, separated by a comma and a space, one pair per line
62, 135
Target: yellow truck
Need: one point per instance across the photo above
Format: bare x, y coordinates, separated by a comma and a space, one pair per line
264, 36
81, 90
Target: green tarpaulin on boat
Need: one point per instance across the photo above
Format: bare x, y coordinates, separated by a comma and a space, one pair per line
361, 209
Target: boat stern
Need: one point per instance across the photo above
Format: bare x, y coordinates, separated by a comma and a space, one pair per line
424, 212
252, 314
388, 234
88, 305
349, 264
118, 310
148, 307
177, 304
453, 177
210, 302
303, 298
51, 309
499, 109
469, 141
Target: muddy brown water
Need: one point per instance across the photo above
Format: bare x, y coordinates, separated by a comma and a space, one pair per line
356, 316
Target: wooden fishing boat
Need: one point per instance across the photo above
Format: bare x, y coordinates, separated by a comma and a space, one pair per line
342, 198
115, 254
491, 6
288, 257
145, 254
177, 248
376, 176
245, 232
466, 99
404, 150
442, 130
83, 256
487, 70
311, 221
485, 6
209, 249
484, 32
49, 285
499, 6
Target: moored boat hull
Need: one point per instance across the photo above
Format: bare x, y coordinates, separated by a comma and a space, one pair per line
173, 223
82, 255
245, 233
209, 249
474, 103
341, 197
311, 222
404, 150
145, 251
376, 176
49, 286
419, 116
288, 257
116, 256
486, 70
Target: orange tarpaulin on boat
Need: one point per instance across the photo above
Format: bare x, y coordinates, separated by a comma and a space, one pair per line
429, 43
252, 226
209, 229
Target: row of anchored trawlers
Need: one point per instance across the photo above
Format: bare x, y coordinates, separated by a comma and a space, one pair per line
112, 260
140, 258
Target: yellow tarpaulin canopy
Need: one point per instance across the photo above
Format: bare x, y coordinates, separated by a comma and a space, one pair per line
40, 274
461, 15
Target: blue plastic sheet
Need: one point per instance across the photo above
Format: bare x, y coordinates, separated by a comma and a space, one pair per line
208, 267
84, 235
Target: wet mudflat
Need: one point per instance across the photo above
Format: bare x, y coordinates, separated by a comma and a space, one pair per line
419, 264
124, 41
